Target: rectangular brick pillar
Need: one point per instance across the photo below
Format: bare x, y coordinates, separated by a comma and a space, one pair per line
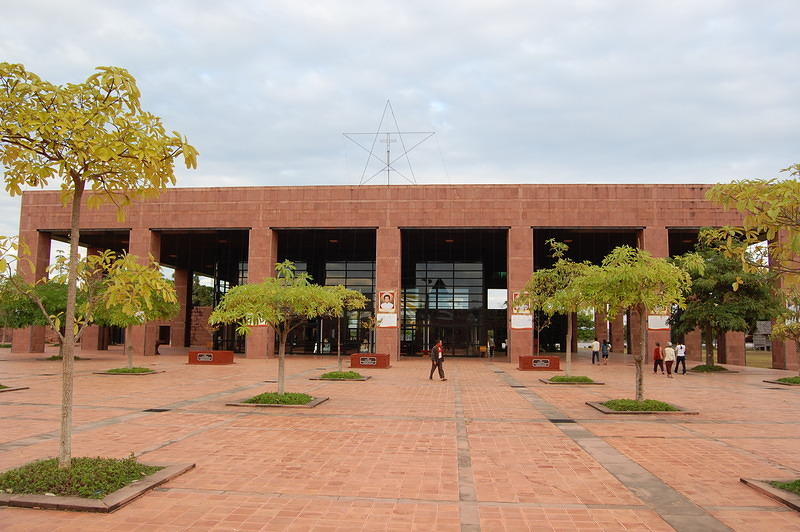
520, 267
694, 345
177, 327
656, 241
617, 338
31, 339
601, 326
730, 348
262, 254
388, 271
144, 243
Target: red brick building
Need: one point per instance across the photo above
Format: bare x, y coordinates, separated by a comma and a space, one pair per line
440, 257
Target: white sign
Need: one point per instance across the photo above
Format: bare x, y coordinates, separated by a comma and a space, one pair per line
521, 321
658, 322
387, 319
763, 327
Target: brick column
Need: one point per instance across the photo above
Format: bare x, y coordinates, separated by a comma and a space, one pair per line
618, 334
262, 254
600, 326
520, 267
31, 339
388, 271
694, 345
91, 338
656, 241
177, 327
143, 242
784, 352
730, 348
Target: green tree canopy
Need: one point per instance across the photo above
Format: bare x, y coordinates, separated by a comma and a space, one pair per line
283, 302
94, 139
725, 297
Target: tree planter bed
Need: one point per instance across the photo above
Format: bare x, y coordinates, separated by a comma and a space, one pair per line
771, 382
764, 487
605, 410
14, 389
548, 381
366, 377
317, 401
111, 502
153, 372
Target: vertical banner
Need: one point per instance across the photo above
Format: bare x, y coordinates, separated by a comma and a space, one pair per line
387, 308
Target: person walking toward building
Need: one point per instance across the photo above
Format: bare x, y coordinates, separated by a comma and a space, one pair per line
437, 360
658, 359
669, 358
604, 349
490, 347
680, 357
596, 351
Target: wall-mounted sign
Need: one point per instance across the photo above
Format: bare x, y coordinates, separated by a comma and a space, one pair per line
205, 357
522, 321
658, 322
516, 308
386, 319
368, 361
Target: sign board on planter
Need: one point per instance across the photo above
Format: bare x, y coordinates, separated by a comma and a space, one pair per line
540, 363
205, 357
368, 361
210, 357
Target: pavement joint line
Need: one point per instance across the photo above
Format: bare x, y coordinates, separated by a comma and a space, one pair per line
467, 494
671, 505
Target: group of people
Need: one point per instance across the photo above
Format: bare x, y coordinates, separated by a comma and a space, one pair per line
600, 350
667, 357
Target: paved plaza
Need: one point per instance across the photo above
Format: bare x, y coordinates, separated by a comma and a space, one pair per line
490, 449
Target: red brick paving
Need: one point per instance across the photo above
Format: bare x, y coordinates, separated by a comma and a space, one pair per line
384, 454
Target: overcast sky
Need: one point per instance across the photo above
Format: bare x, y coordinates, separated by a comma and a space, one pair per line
615, 91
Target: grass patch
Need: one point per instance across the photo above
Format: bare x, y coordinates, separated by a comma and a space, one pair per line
3, 387
631, 405
130, 370
5, 345
793, 486
59, 357
790, 380
570, 378
342, 375
273, 398
704, 368
92, 478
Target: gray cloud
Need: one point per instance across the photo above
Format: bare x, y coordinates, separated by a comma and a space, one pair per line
546, 91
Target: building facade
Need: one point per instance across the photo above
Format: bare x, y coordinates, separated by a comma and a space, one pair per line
436, 260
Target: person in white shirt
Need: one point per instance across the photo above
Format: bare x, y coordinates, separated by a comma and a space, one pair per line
669, 358
595, 351
680, 357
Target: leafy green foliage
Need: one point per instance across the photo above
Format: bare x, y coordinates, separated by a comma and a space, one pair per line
629, 405
793, 486
272, 398
130, 370
334, 375
708, 368
92, 478
202, 296
570, 378
283, 302
790, 380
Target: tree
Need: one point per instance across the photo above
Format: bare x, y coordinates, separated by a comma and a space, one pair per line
724, 297
283, 302
97, 142
554, 290
133, 293
771, 211
202, 296
631, 278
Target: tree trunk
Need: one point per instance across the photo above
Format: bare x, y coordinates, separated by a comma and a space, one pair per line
68, 361
282, 360
339, 342
569, 343
709, 334
128, 350
642, 350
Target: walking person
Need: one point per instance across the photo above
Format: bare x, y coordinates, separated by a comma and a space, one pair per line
604, 349
437, 359
490, 347
669, 358
658, 359
680, 357
596, 351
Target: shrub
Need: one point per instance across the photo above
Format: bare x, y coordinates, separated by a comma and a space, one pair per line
273, 398
92, 478
631, 405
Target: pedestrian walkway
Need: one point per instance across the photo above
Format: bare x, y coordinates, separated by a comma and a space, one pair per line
490, 449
